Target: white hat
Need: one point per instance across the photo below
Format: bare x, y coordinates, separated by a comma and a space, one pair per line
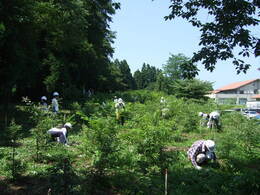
120, 100
55, 93
68, 125
210, 145
200, 158
43, 98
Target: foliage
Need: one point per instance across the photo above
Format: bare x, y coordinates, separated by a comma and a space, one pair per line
146, 77
128, 81
104, 157
179, 67
191, 89
12, 133
102, 136
62, 175
50, 45
228, 28
13, 166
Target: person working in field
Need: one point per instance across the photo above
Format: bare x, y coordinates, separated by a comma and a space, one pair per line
204, 119
214, 120
115, 99
60, 134
163, 101
43, 103
120, 107
201, 152
55, 103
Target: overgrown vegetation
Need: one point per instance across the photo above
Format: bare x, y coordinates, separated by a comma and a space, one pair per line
107, 158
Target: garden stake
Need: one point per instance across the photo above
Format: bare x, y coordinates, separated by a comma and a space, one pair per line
166, 174
13, 167
37, 150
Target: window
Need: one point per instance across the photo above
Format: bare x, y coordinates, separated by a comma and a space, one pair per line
241, 92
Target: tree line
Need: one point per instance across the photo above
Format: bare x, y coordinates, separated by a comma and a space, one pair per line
49, 45
66, 46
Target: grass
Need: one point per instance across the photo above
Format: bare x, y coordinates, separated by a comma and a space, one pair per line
107, 158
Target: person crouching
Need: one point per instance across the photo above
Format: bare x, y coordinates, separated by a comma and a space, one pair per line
214, 120
201, 152
204, 119
60, 134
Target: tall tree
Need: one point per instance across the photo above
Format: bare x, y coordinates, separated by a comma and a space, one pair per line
229, 28
127, 78
146, 76
179, 67
191, 88
51, 45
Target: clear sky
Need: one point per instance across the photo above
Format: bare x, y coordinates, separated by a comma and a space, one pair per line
143, 36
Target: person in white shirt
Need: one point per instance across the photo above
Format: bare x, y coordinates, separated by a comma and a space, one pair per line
214, 120
162, 101
55, 103
60, 134
120, 107
115, 99
204, 119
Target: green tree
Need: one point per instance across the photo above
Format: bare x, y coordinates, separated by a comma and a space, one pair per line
162, 83
228, 29
191, 89
146, 77
127, 78
138, 79
51, 45
179, 67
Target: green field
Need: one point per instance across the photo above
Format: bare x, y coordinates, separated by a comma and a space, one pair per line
104, 157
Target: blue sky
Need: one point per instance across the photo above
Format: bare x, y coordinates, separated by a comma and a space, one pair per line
143, 36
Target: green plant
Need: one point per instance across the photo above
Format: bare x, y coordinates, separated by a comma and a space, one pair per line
15, 167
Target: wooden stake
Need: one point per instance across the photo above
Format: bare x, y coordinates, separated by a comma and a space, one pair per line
166, 177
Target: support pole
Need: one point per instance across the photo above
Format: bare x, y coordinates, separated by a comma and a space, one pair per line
166, 178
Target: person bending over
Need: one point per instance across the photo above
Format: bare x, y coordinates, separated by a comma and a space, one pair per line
201, 152
60, 134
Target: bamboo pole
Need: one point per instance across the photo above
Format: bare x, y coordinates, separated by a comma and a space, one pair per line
165, 184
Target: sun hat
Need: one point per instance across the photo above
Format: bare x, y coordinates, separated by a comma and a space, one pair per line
68, 125
210, 145
43, 98
55, 93
120, 100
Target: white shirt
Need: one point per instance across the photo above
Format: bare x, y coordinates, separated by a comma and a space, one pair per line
162, 101
120, 105
214, 115
61, 132
55, 105
115, 100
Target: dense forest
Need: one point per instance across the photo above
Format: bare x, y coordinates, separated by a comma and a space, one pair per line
65, 46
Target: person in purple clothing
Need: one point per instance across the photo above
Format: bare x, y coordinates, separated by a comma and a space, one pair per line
201, 152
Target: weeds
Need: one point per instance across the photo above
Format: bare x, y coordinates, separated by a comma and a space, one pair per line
131, 159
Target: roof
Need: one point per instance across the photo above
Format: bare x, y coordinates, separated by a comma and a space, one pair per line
256, 96
234, 85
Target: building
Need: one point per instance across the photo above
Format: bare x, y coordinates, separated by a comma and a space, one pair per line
237, 93
256, 97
